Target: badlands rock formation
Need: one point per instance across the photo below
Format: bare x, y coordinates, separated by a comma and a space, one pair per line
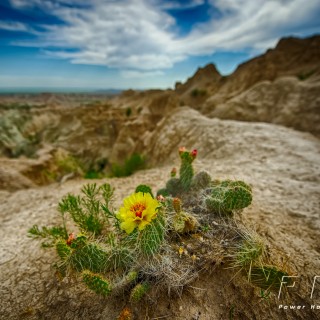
260, 124
281, 86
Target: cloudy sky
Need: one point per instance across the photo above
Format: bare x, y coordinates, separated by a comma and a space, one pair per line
139, 43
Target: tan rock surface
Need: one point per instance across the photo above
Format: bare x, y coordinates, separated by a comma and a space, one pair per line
283, 167
286, 101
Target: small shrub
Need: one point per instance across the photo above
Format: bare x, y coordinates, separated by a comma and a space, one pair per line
268, 277
132, 164
93, 174
197, 93
305, 75
128, 112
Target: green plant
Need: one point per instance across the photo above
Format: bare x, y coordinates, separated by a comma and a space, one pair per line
138, 292
173, 187
305, 75
183, 222
195, 93
86, 211
50, 234
153, 236
177, 186
96, 283
249, 252
132, 164
147, 242
186, 169
128, 112
265, 295
201, 180
268, 277
228, 196
144, 189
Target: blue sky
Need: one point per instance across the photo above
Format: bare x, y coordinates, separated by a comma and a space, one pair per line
139, 43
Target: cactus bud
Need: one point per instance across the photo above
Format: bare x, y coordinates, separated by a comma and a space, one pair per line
126, 314
176, 202
71, 238
161, 198
182, 150
194, 153
173, 172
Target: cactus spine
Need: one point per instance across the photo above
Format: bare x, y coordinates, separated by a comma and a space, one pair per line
96, 283
63, 250
151, 238
229, 196
139, 291
186, 169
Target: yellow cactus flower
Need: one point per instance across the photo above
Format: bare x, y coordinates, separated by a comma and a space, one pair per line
137, 211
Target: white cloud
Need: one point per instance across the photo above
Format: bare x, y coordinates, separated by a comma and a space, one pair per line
177, 5
13, 26
255, 24
134, 74
139, 34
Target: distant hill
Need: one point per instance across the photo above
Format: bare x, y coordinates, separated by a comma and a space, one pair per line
280, 86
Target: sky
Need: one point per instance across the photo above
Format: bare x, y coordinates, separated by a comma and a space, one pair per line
139, 44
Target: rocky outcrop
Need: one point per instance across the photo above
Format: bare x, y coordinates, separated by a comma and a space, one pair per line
286, 101
291, 57
280, 86
205, 82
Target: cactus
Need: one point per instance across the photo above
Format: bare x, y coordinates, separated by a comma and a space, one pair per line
96, 283
228, 196
184, 222
174, 187
163, 192
118, 257
122, 285
139, 291
186, 171
152, 236
89, 256
63, 250
144, 189
201, 180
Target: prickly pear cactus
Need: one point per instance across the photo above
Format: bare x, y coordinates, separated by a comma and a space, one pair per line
229, 196
144, 189
139, 291
174, 187
201, 180
63, 250
96, 283
151, 238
